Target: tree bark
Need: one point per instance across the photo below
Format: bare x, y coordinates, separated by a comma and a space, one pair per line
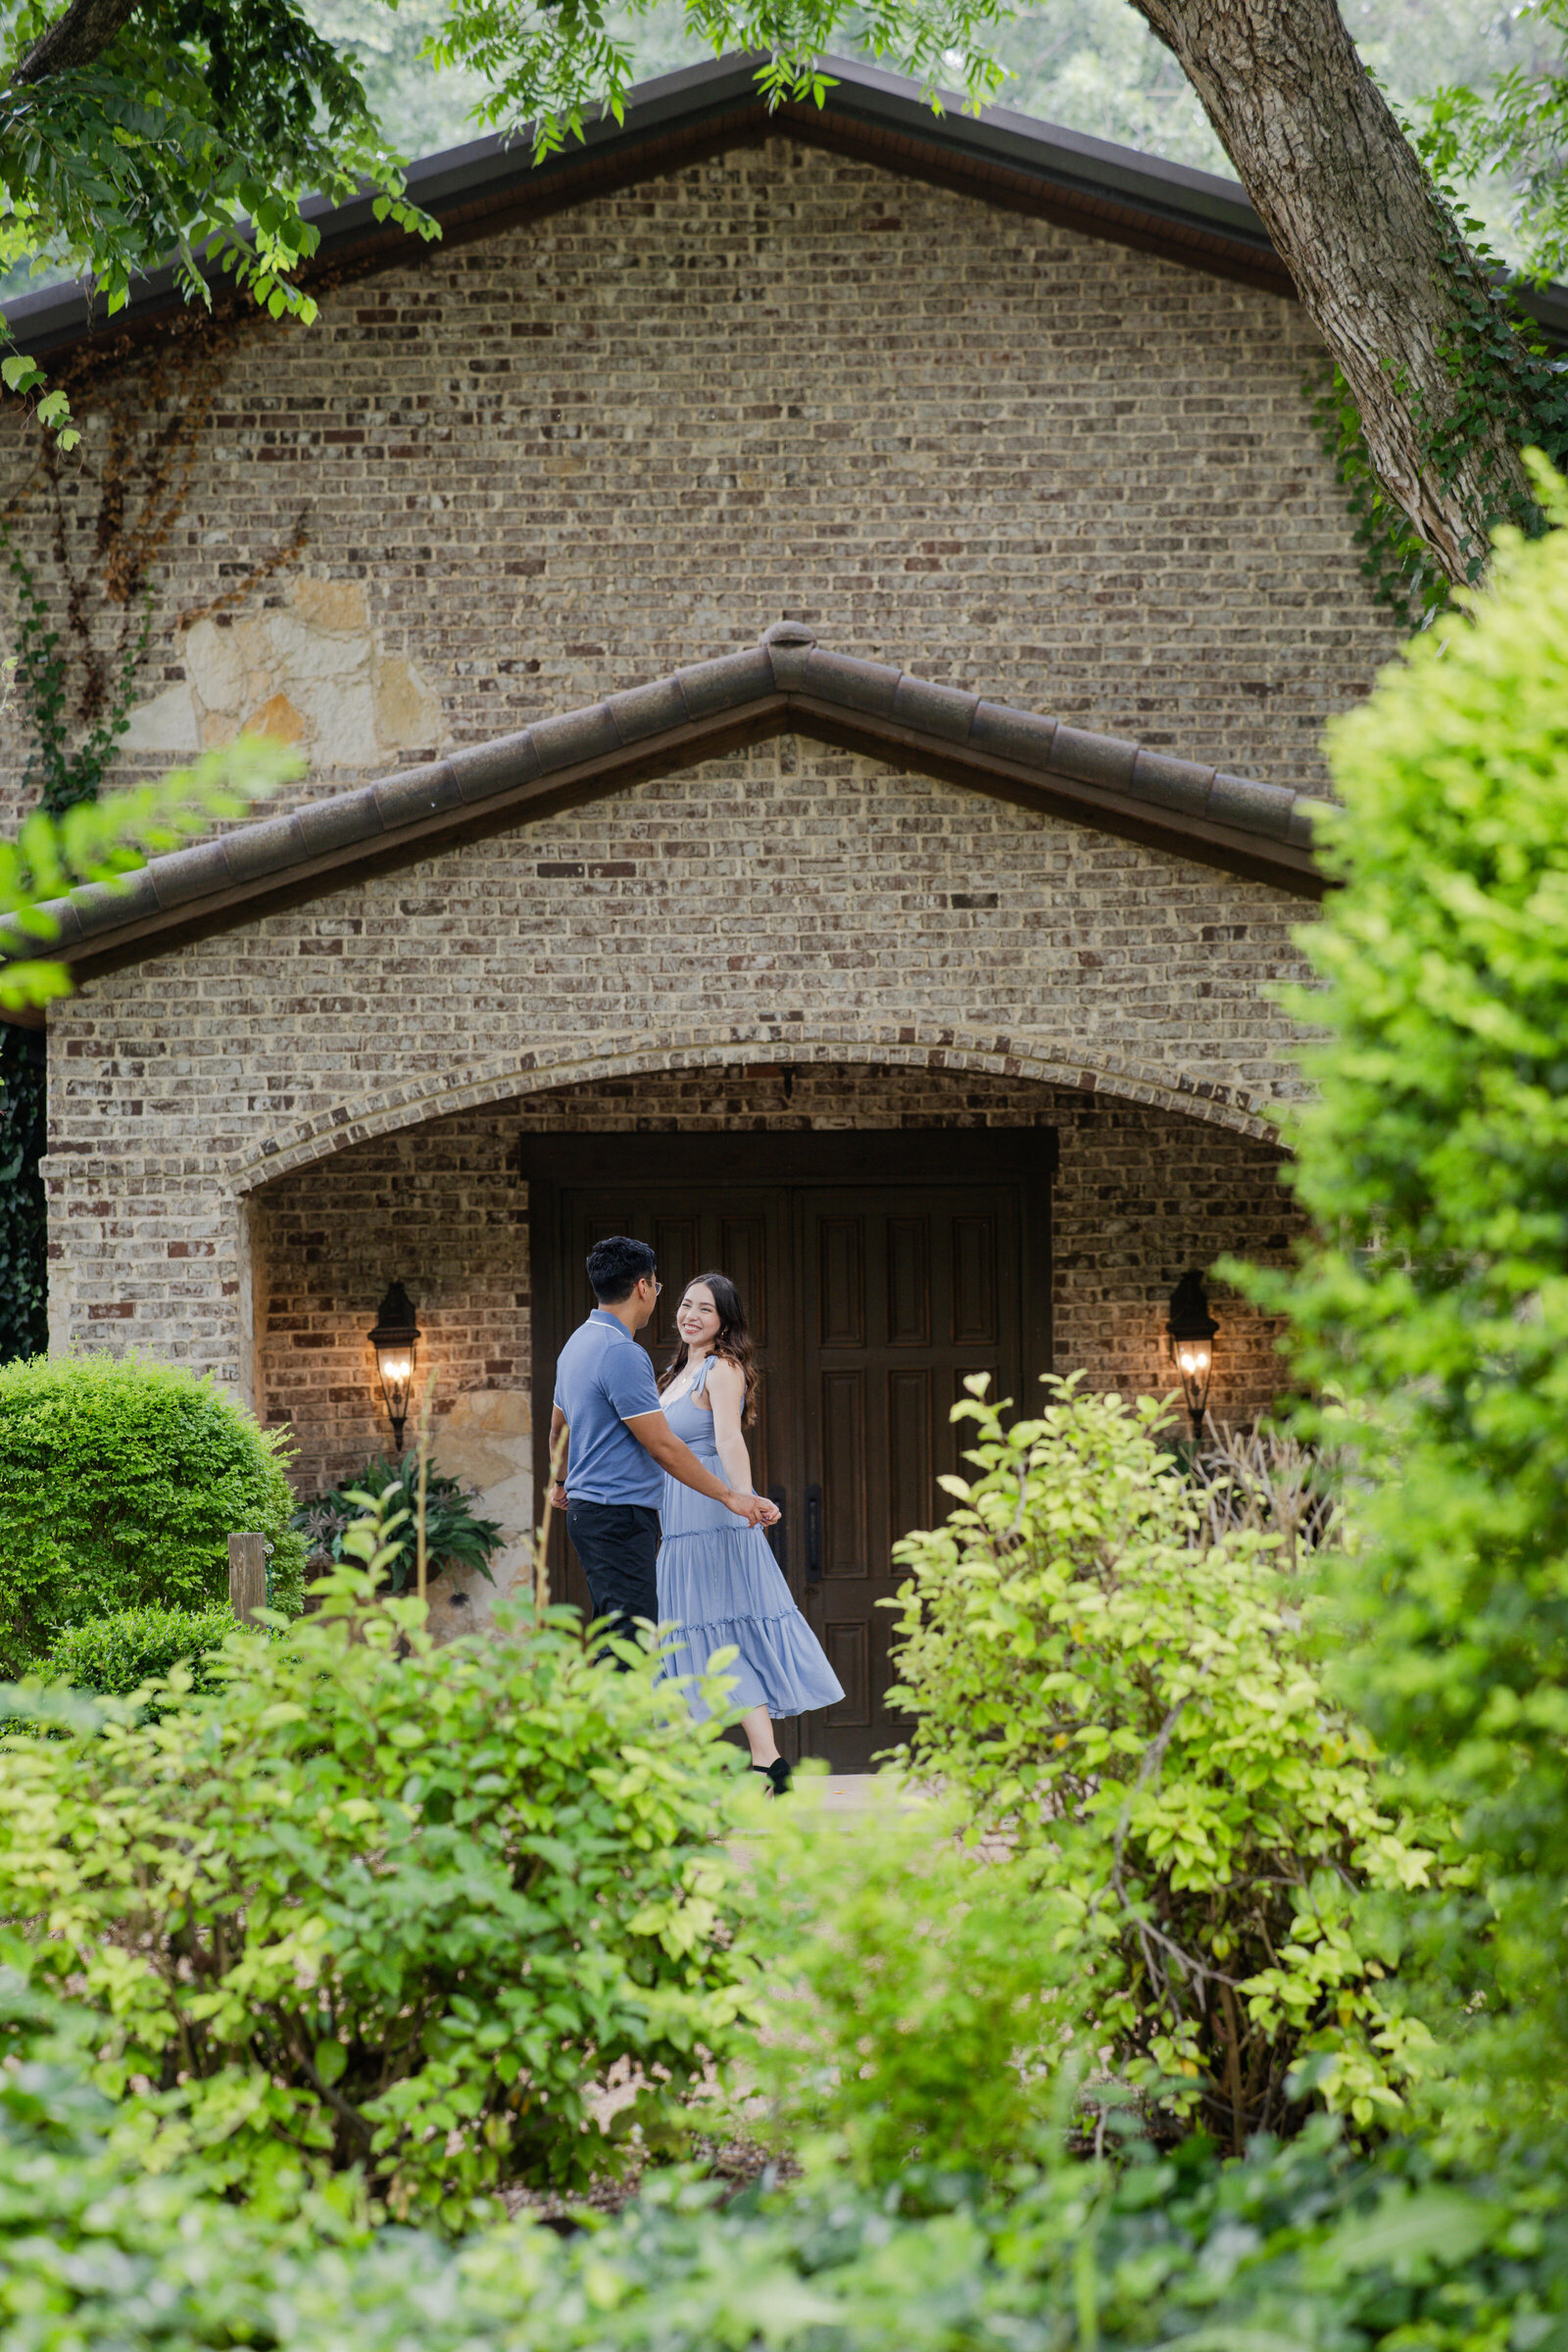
1345, 199
82, 33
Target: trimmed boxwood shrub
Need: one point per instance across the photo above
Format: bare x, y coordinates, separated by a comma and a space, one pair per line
115, 1655
119, 1483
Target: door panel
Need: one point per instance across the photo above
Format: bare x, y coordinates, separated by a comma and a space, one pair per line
935, 1279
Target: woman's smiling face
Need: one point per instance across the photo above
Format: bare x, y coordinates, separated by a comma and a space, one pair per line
697, 1318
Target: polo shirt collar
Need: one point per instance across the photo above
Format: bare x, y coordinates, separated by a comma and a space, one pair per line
602, 1315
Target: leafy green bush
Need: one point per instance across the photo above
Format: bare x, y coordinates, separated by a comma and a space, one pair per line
1297, 2249
1133, 1701
454, 1537
1435, 1162
914, 2016
119, 1483
117, 1654
378, 1904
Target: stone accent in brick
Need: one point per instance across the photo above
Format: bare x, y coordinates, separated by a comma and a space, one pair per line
570, 457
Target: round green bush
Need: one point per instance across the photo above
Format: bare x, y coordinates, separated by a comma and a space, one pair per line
115, 1655
121, 1481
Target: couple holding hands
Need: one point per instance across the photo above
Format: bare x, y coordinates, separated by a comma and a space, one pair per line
656, 1488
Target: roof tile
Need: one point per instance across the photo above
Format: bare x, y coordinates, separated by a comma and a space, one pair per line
416, 791
856, 685
1170, 783
483, 769
107, 905
575, 736
789, 646
1008, 734
711, 686
186, 875
255, 851
338, 823
647, 709
1254, 808
1305, 810
935, 709
1102, 760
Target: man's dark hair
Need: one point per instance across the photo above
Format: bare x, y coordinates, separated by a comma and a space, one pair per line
617, 1265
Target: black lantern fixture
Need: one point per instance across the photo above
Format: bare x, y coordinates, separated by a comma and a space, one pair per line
396, 1340
1192, 1345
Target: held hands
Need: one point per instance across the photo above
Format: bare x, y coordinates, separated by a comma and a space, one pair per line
754, 1509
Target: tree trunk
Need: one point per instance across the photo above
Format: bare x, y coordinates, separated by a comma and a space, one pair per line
1344, 197
82, 33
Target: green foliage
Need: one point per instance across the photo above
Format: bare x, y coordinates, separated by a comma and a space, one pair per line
1514, 127
121, 1481
118, 1654
98, 842
384, 1906
1497, 367
196, 134
23, 1213
455, 1538
1135, 1703
542, 69
1435, 1155
1297, 2249
64, 776
915, 2001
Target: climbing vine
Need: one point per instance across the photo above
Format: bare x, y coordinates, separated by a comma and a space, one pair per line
1499, 368
23, 1257
79, 645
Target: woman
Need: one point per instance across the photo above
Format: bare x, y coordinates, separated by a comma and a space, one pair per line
719, 1580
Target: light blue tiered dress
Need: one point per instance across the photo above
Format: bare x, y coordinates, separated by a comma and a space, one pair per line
719, 1583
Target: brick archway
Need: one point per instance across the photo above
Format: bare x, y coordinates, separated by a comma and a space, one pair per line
429, 1096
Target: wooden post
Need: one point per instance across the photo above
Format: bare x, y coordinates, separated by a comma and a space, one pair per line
247, 1575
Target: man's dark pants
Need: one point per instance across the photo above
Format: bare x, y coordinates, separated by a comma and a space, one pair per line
617, 1545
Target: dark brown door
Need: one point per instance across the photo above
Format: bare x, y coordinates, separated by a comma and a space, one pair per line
877, 1271
906, 1291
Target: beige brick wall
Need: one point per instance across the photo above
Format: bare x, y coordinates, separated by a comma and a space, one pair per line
584, 452
249, 1136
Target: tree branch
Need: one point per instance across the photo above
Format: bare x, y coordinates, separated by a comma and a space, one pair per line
82, 33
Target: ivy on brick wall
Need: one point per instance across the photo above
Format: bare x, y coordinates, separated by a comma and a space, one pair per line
1500, 368
24, 1259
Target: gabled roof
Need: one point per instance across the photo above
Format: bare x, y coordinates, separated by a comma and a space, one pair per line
1192, 218
1004, 158
788, 684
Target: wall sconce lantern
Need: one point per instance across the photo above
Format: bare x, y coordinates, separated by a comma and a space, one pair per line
396, 1340
1192, 1345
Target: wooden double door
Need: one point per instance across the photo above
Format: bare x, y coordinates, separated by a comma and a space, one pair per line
877, 1273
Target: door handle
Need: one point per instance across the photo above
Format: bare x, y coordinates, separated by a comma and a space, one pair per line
776, 1534
814, 1533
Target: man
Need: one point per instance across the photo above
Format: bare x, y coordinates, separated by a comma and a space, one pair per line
621, 1443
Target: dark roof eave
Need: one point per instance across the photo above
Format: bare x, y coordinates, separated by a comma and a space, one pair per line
786, 684
1206, 220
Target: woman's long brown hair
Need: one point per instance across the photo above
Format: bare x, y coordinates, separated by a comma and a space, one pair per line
733, 1344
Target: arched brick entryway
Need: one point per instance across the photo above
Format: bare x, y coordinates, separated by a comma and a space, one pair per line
1142, 1191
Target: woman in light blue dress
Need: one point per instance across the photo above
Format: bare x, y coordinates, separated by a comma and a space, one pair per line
718, 1581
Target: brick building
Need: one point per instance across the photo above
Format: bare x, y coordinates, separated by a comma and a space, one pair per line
943, 1022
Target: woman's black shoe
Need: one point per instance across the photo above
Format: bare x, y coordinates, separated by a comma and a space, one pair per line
780, 1774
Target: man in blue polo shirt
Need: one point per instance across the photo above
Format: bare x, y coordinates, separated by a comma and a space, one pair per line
620, 1443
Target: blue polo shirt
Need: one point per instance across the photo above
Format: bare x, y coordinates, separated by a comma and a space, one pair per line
602, 1380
